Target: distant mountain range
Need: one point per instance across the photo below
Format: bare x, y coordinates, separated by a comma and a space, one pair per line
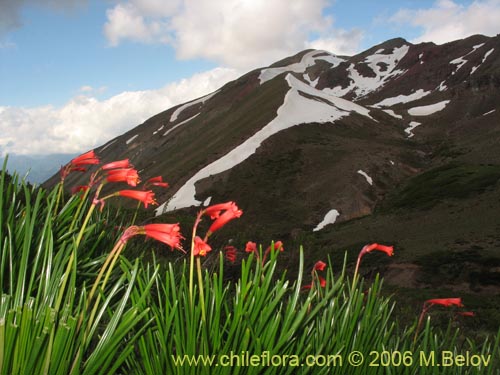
398, 144
36, 168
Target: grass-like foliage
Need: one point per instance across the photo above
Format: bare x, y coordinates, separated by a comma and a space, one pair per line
73, 302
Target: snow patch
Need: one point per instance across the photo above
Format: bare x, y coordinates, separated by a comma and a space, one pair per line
442, 86
107, 145
179, 124
368, 178
330, 218
311, 82
459, 62
159, 129
132, 139
390, 161
487, 54
392, 113
420, 93
309, 59
179, 110
487, 113
364, 85
206, 202
426, 110
295, 110
411, 126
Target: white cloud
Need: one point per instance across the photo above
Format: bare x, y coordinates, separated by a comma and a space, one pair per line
238, 33
448, 20
343, 43
125, 21
85, 122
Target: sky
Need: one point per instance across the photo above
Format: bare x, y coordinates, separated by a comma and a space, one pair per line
76, 73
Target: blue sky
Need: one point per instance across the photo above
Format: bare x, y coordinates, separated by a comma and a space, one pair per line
75, 73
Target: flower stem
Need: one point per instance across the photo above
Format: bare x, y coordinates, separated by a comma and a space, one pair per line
202, 296
73, 252
191, 257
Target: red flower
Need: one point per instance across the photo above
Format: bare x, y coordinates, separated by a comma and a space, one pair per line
146, 197
85, 159
125, 163
76, 163
77, 189
167, 233
231, 212
251, 247
322, 281
467, 313
445, 302
389, 250
200, 247
319, 266
278, 245
215, 210
156, 181
231, 253
128, 175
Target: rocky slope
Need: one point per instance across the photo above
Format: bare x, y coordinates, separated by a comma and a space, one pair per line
318, 134
398, 145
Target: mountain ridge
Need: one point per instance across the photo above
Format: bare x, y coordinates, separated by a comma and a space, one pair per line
381, 115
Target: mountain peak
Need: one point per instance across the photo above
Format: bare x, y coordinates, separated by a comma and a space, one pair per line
288, 141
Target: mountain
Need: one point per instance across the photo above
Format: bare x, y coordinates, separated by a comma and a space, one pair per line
36, 168
398, 144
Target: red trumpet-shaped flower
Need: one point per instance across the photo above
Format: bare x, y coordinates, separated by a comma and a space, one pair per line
447, 302
215, 210
88, 158
167, 233
251, 247
278, 245
128, 175
77, 189
467, 313
319, 266
146, 197
119, 164
444, 302
200, 247
322, 281
231, 211
389, 250
230, 253
156, 181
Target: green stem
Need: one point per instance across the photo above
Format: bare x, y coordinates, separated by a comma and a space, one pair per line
191, 257
79, 209
202, 296
117, 249
420, 320
73, 253
60, 190
114, 255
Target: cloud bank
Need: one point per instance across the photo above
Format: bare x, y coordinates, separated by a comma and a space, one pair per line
447, 20
85, 122
238, 33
